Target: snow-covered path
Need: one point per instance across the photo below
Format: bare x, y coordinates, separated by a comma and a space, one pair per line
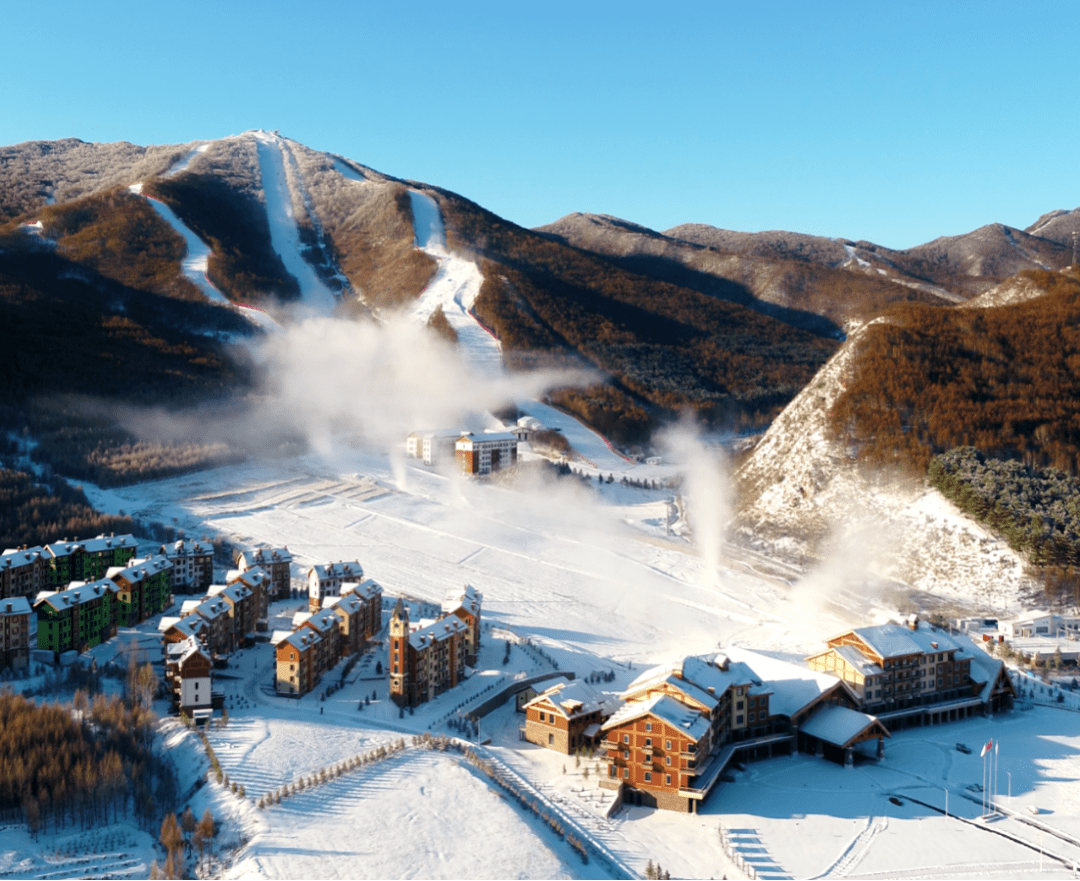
454, 288
284, 234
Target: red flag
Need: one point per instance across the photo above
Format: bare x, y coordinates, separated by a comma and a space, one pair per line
989, 746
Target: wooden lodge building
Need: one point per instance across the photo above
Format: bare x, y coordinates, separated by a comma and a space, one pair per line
680, 725
188, 673
565, 718
915, 674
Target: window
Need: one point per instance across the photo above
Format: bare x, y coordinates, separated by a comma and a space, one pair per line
648, 776
648, 726
753, 717
738, 705
648, 742
667, 760
543, 717
626, 754
626, 738
667, 780
611, 771
667, 744
626, 773
738, 720
551, 739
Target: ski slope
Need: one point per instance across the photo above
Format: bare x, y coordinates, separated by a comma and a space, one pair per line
454, 289
284, 234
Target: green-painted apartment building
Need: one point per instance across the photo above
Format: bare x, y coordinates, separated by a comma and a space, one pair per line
78, 618
144, 589
88, 560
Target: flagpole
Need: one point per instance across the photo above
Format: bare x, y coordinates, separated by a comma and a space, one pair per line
996, 766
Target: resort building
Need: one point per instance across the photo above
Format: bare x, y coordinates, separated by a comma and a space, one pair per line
565, 718
296, 655
192, 565
23, 572
915, 674
144, 588
14, 633
424, 662
466, 604
277, 563
479, 455
68, 561
432, 447
326, 581
78, 618
188, 673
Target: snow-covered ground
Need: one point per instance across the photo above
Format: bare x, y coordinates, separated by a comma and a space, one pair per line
454, 289
284, 235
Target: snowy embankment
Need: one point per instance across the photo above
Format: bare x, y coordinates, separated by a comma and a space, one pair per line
284, 234
454, 289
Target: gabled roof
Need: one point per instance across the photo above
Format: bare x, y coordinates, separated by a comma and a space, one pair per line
78, 593
665, 709
467, 598
695, 677
894, 640
19, 557
841, 726
436, 632
570, 699
251, 577
265, 556
211, 609
109, 543
324, 621
15, 606
366, 589
301, 639
187, 547
792, 687
348, 604
350, 569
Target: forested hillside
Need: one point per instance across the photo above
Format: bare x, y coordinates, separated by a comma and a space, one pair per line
671, 346
1005, 380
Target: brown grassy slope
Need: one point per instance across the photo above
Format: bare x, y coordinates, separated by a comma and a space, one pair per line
1005, 380
37, 172
674, 346
120, 236
368, 225
793, 278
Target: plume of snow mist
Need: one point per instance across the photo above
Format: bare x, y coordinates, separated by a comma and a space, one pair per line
706, 492
381, 381
849, 578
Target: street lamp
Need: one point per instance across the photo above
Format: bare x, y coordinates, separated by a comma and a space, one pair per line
1007, 774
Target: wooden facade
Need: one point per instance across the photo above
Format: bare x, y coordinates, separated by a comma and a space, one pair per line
426, 662
565, 718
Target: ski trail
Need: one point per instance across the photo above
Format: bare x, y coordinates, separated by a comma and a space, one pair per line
197, 260
858, 848
454, 289
182, 164
284, 234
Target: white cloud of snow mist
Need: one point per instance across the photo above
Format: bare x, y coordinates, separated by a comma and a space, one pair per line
707, 492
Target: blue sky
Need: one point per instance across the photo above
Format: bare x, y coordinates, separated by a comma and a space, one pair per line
892, 122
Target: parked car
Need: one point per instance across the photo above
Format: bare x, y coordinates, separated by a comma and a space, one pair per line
964, 748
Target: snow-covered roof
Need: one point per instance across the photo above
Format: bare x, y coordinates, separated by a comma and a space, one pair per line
167, 621
467, 598
211, 609
265, 556
570, 699
186, 547
839, 725
251, 577
19, 557
15, 606
79, 592
699, 678
137, 570
984, 671
366, 589
469, 440
323, 621
858, 660
108, 543
348, 604
667, 710
436, 632
350, 569
301, 639
894, 640
792, 686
